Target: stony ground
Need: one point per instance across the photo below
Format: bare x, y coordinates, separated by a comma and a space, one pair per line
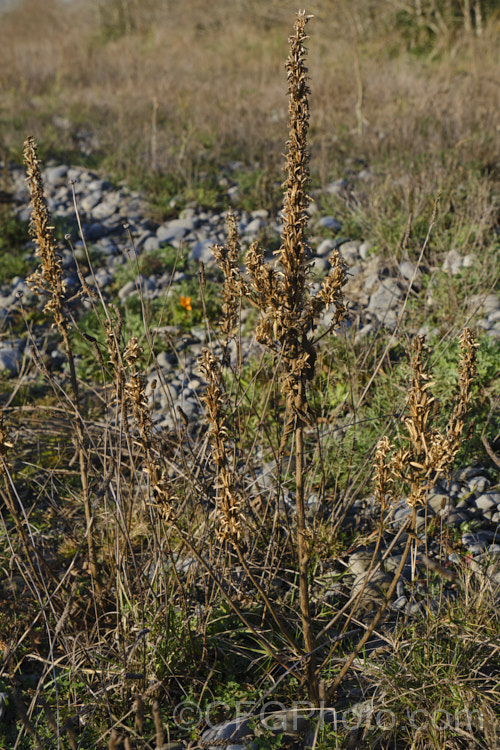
115, 219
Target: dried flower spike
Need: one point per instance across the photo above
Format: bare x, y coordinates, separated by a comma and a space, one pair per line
48, 278
229, 501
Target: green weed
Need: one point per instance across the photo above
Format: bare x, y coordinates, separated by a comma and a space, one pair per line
13, 237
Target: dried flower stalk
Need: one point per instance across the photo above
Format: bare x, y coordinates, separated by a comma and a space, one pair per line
383, 474
135, 400
228, 500
48, 279
289, 310
227, 257
428, 454
135, 392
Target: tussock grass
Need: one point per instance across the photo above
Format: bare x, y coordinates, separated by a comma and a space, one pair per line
156, 572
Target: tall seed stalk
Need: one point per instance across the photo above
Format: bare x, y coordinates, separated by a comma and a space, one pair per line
48, 280
299, 354
427, 454
289, 311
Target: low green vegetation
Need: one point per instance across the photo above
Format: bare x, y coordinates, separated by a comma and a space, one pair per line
13, 237
157, 580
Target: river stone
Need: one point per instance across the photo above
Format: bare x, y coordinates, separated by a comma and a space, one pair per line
391, 565
326, 247
10, 361
474, 542
330, 222
151, 244
493, 574
127, 289
203, 251
375, 589
55, 175
237, 731
409, 271
89, 202
174, 231
337, 187
6, 302
95, 231
191, 407
320, 265
291, 721
349, 252
456, 517
364, 250
400, 604
260, 213
107, 247
19, 285
401, 513
452, 262
234, 193
385, 298
490, 304
359, 561
421, 522
437, 501
104, 210
255, 226
488, 501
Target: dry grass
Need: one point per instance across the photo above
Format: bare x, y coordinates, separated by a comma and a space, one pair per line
195, 84
126, 601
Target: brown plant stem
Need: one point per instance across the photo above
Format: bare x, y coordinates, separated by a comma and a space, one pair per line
303, 550
392, 588
48, 279
299, 355
282, 627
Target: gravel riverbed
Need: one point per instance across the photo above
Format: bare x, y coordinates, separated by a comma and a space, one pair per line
468, 503
111, 216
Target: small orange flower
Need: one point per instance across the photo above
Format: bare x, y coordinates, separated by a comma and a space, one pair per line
186, 303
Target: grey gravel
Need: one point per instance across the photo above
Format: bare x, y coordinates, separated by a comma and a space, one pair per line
10, 360
470, 502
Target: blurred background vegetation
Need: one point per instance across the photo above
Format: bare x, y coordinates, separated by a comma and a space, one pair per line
166, 93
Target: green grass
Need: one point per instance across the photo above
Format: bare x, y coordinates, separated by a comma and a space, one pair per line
435, 675
176, 631
13, 237
155, 262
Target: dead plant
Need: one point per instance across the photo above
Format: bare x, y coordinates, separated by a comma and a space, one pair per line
426, 455
48, 280
289, 309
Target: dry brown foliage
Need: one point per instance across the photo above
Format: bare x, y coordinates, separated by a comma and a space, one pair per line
430, 453
166, 486
48, 279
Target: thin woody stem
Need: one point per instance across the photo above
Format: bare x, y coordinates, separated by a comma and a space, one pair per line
303, 550
392, 588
